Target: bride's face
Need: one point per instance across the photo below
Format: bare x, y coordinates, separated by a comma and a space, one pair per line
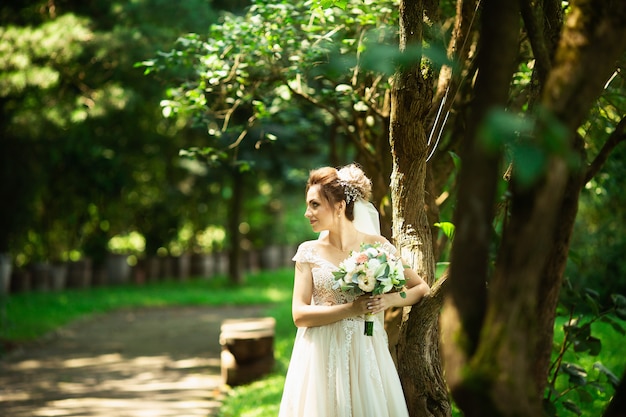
319, 211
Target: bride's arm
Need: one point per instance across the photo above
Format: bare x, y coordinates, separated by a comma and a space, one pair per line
306, 314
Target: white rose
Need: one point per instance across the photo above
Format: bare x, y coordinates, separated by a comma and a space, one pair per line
349, 265
367, 283
373, 264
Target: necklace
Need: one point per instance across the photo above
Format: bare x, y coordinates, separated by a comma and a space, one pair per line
340, 249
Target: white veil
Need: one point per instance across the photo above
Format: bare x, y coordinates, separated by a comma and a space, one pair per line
366, 218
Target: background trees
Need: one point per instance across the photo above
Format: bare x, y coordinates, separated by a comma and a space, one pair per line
82, 133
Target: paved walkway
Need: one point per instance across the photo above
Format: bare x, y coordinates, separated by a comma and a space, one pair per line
134, 363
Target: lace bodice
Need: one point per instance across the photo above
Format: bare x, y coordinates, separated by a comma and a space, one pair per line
323, 279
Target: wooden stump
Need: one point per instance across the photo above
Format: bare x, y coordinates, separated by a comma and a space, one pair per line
247, 349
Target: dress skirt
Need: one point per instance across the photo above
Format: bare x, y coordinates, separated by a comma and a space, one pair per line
337, 371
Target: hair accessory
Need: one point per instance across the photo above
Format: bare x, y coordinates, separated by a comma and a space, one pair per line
351, 192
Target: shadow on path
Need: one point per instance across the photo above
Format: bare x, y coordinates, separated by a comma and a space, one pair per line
130, 363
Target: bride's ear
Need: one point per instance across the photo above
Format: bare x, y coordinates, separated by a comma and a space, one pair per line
341, 207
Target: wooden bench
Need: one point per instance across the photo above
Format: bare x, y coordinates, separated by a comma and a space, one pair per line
247, 349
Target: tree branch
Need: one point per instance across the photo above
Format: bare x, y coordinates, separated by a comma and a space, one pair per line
616, 137
533, 21
458, 51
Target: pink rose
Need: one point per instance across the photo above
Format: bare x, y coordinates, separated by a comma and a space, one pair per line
362, 258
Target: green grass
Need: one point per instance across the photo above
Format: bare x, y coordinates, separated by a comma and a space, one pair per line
28, 316
262, 398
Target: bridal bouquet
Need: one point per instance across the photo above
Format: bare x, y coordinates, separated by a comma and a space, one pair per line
370, 270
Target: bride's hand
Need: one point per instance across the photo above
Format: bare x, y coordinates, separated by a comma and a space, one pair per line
377, 304
369, 304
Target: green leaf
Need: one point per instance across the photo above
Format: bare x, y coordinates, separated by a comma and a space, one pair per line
592, 293
529, 164
326, 4
447, 228
501, 128
584, 396
615, 325
456, 160
595, 346
597, 386
614, 380
621, 313
571, 406
593, 304
577, 374
618, 300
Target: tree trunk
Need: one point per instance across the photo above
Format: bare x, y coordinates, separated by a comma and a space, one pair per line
593, 40
419, 357
551, 278
492, 367
464, 309
422, 379
235, 267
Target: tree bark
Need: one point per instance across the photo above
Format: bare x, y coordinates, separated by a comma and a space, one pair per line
424, 384
418, 346
477, 186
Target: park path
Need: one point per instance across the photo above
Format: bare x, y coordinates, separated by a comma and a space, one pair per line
157, 362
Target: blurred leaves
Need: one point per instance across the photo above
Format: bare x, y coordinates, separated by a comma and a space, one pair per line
582, 307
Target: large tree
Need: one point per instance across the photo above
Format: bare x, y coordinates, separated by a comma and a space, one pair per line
499, 318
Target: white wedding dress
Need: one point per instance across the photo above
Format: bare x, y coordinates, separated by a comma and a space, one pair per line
336, 370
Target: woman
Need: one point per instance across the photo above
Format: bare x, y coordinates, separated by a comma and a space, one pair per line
336, 370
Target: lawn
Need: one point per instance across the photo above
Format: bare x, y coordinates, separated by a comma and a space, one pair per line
28, 316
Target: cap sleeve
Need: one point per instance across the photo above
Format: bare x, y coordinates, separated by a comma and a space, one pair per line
304, 254
390, 248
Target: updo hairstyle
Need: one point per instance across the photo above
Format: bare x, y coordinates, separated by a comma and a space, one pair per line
349, 183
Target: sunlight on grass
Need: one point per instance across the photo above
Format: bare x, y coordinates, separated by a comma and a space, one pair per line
258, 399
31, 315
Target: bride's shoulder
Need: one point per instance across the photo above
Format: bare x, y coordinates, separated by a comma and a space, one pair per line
307, 251
372, 239
309, 244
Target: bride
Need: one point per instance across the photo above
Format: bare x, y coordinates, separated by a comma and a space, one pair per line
336, 370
